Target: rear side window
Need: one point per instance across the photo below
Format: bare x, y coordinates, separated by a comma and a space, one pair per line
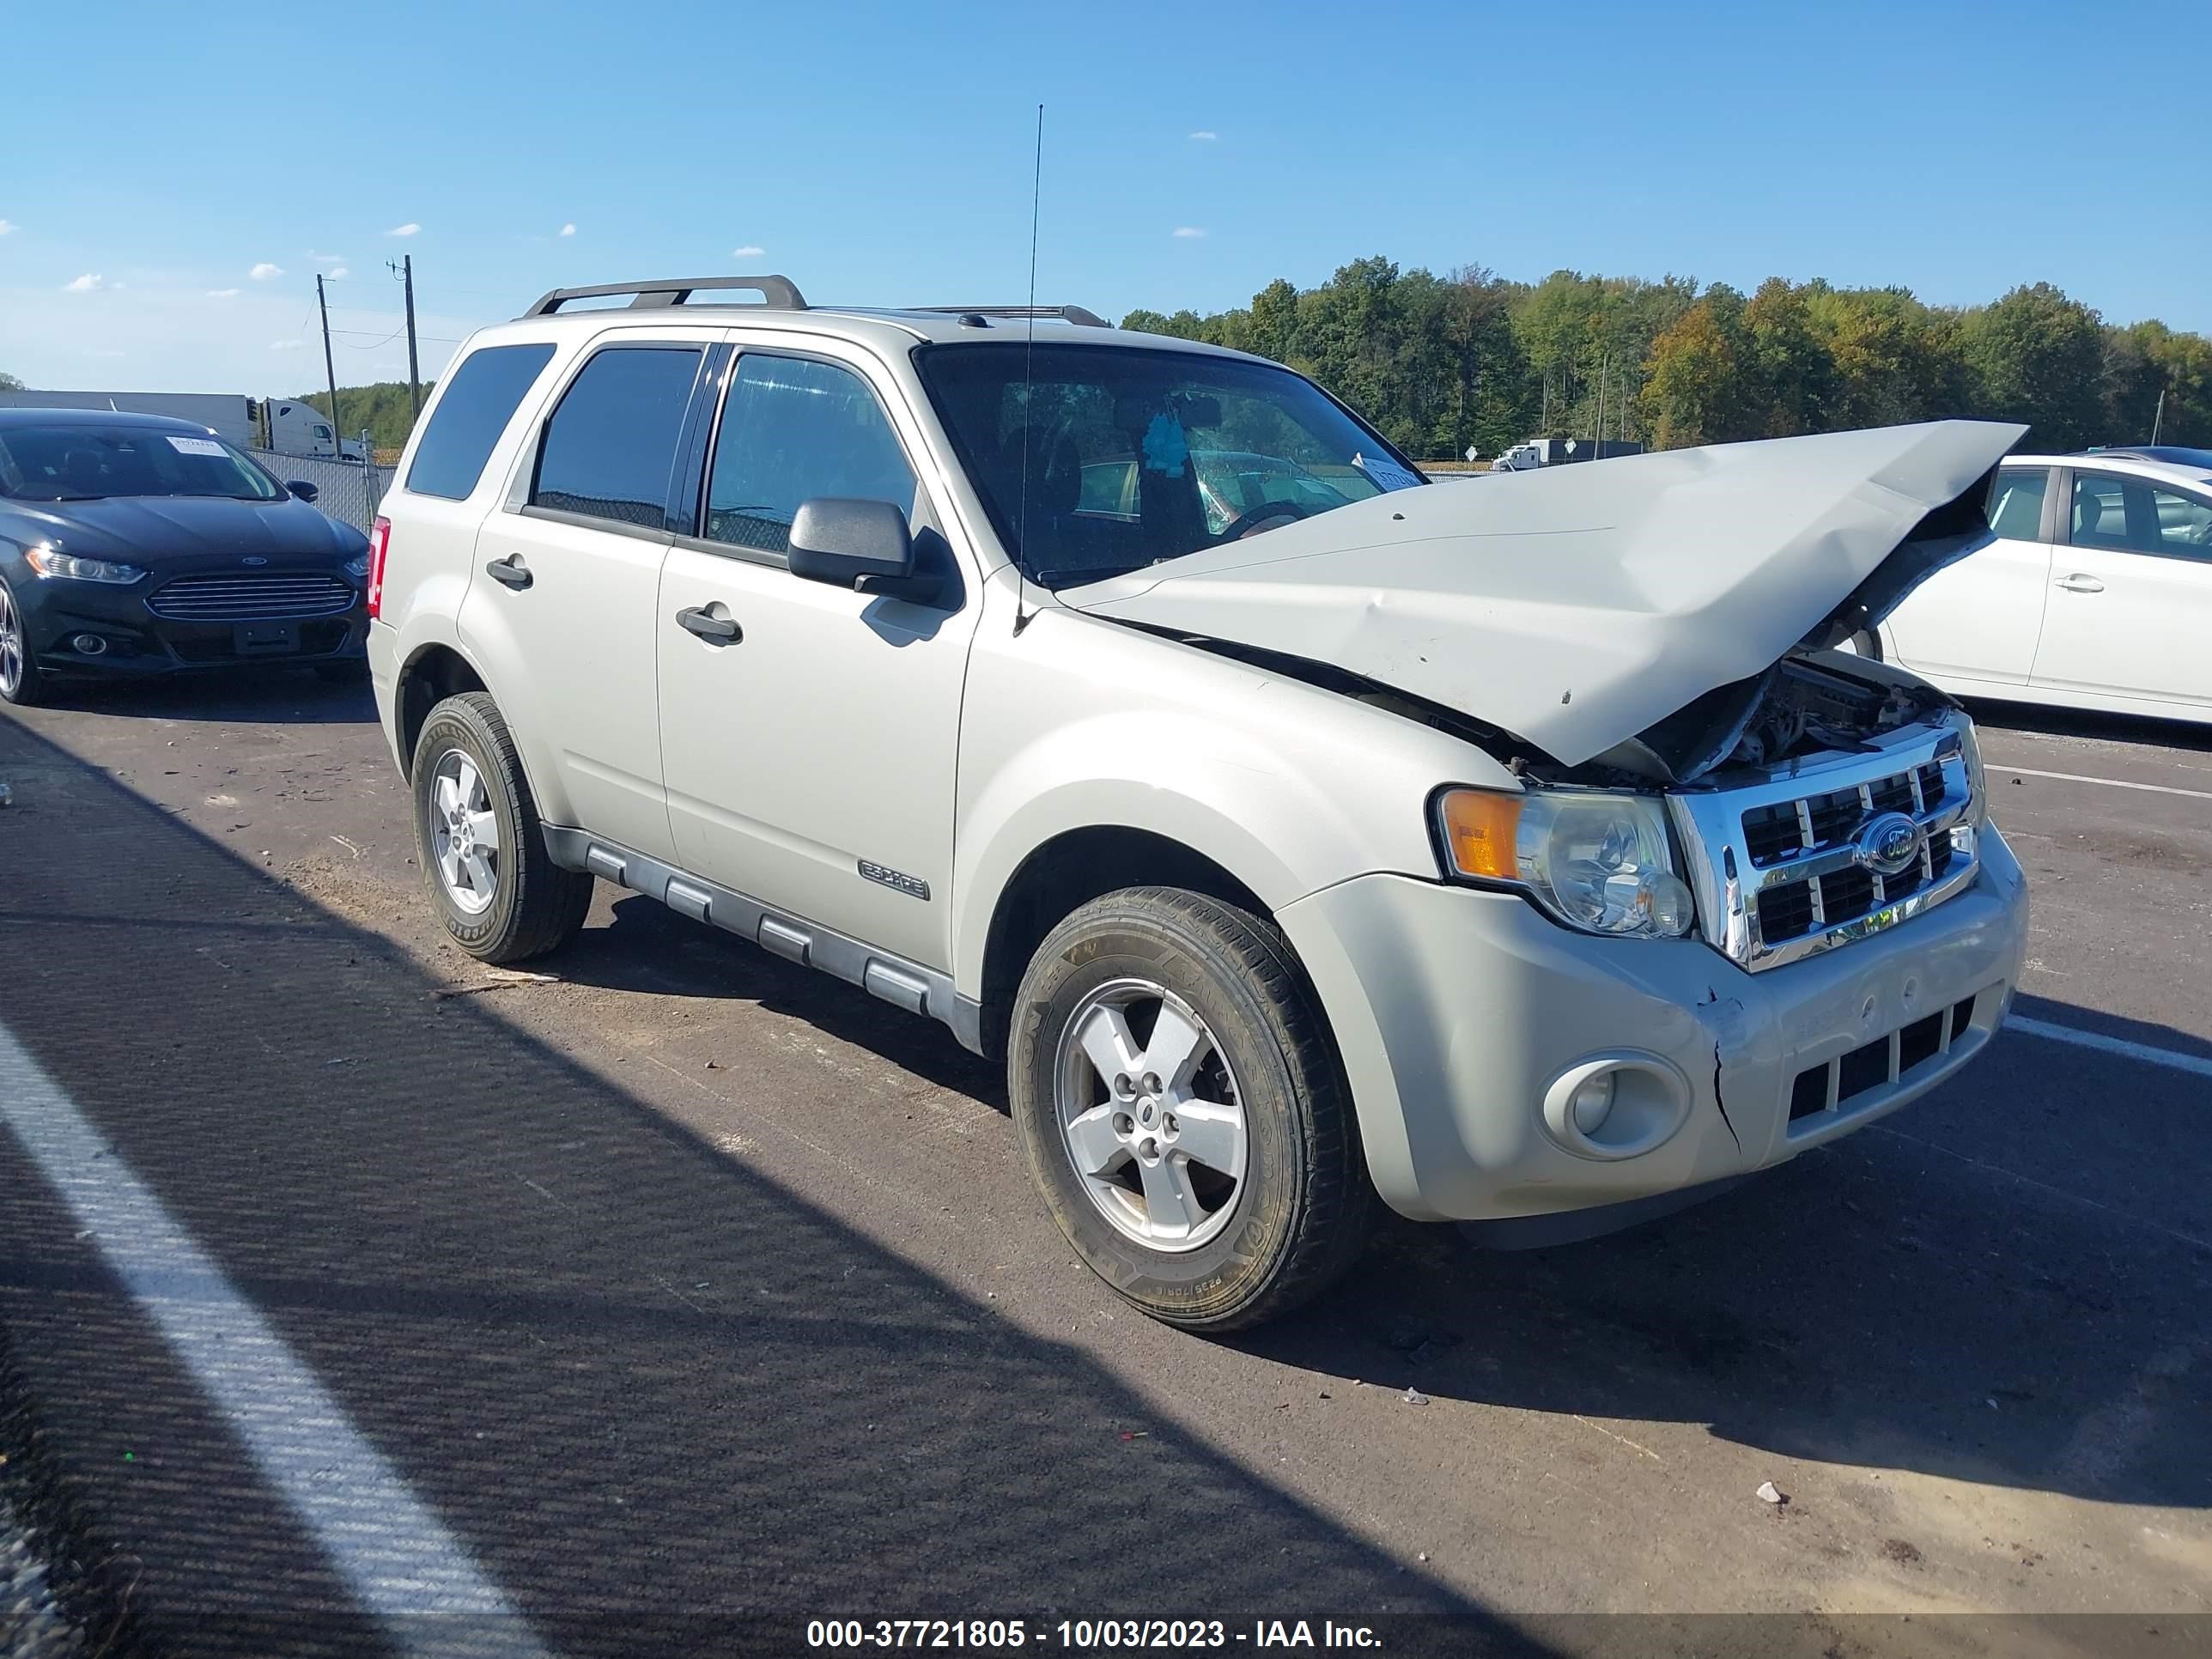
2016, 504
464, 427
610, 445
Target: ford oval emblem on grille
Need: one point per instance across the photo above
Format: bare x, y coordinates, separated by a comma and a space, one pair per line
1888, 845
253, 558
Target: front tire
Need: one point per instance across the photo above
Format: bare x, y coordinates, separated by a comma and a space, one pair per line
1183, 1111
22, 683
480, 843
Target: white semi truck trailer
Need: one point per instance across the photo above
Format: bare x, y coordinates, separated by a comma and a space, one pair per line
289, 427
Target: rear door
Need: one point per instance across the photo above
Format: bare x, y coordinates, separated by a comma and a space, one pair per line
2130, 611
561, 606
1980, 618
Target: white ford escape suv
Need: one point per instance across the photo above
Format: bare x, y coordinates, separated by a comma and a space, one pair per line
1298, 832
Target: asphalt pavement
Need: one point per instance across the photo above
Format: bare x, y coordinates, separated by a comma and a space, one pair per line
356, 1298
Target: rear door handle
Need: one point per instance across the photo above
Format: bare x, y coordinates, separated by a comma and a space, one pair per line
2078, 583
511, 571
715, 631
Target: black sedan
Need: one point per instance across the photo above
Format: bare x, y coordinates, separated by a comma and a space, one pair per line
136, 544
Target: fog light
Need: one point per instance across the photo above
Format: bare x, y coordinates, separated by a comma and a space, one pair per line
89, 645
1593, 1102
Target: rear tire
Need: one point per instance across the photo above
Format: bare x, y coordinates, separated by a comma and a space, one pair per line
22, 683
1214, 1179
480, 843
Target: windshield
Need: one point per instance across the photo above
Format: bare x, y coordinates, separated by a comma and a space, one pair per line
1096, 459
84, 463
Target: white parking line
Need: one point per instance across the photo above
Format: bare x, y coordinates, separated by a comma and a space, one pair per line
412, 1574
2111, 1045
2112, 783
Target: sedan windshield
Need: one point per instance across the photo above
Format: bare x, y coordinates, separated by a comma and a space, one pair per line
1096, 459
85, 462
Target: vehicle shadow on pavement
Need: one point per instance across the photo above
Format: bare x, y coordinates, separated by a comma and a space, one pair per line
278, 695
2040, 720
2008, 1282
2032, 1235
661, 1400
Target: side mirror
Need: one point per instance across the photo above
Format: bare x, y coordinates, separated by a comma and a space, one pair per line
865, 546
303, 490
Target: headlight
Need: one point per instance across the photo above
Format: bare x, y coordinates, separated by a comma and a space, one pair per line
357, 566
1602, 863
61, 567
1969, 750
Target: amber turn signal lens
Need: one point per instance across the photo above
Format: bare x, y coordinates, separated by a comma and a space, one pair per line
1480, 826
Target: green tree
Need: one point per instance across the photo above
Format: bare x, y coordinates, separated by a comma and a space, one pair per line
384, 408
1693, 385
2039, 357
9, 383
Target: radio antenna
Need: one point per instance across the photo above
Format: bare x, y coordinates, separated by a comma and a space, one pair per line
1028, 360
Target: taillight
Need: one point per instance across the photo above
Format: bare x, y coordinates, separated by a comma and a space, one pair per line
379, 538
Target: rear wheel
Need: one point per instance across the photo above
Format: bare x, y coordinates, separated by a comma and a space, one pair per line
20, 681
1181, 1109
479, 841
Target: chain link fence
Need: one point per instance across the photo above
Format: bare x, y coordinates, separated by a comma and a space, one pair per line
348, 491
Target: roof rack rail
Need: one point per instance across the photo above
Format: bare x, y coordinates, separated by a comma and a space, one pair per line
1077, 314
777, 293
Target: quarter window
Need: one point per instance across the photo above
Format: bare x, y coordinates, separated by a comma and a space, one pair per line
2134, 516
794, 430
610, 445
475, 408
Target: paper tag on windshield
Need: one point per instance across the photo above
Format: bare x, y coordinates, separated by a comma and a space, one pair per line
195, 446
1385, 475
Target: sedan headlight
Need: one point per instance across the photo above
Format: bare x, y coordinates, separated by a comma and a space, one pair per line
62, 568
1603, 863
357, 566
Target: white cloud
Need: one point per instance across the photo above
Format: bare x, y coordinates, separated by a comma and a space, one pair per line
748, 251
407, 229
326, 259
338, 271
222, 293
8, 227
265, 271
119, 287
1204, 136
1188, 232
567, 230
86, 283
286, 345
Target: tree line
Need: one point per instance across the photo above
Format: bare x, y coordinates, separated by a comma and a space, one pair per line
1470, 359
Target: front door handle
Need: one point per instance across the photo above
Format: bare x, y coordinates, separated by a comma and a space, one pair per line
715, 631
2078, 583
510, 571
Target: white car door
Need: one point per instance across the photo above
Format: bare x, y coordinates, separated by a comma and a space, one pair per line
1979, 619
560, 608
810, 733
2131, 611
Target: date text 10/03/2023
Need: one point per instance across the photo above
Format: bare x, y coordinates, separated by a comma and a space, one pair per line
1085, 1635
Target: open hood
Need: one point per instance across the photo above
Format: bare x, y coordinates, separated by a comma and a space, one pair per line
1577, 606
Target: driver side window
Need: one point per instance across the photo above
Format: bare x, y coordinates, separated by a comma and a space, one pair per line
795, 430
2134, 516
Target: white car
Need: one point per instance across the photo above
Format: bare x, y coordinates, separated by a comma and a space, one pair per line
2096, 594
1299, 833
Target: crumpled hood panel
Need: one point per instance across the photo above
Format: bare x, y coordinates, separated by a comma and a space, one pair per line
1575, 606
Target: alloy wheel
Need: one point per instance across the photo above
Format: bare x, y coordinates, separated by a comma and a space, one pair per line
464, 832
1150, 1115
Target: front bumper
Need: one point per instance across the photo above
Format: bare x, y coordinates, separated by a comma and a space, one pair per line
137, 642
1461, 1014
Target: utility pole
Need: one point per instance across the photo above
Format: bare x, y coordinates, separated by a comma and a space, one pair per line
405, 271
2158, 419
330, 369
1597, 431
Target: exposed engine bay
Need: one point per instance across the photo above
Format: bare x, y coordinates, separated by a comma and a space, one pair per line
1807, 704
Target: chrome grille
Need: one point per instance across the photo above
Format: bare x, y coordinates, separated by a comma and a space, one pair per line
1777, 863
223, 597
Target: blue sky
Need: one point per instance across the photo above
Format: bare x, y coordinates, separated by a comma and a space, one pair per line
881, 154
